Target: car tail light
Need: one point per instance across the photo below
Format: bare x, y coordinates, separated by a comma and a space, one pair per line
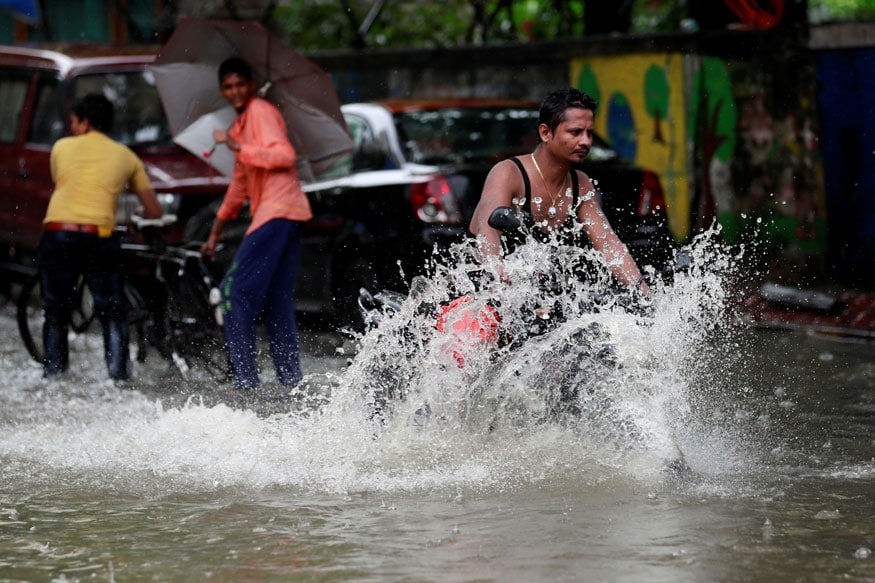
434, 202
651, 200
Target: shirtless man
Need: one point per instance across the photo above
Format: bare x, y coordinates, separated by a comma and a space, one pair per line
544, 184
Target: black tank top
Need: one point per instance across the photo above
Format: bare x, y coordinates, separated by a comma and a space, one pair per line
566, 232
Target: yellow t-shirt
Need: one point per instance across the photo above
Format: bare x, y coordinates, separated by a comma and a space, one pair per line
90, 172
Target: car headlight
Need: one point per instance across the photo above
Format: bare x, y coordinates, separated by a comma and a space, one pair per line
128, 203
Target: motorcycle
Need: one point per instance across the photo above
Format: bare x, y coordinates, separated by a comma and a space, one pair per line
465, 347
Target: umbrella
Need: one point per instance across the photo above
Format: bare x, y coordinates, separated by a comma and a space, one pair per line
186, 73
198, 139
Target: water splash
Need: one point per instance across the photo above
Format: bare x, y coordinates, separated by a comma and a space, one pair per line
597, 392
609, 371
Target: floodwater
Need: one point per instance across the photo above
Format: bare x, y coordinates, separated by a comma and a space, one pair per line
701, 451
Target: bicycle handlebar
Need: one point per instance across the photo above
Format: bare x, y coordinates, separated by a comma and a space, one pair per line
162, 221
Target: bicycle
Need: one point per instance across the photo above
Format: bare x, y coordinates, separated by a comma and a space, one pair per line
172, 301
30, 317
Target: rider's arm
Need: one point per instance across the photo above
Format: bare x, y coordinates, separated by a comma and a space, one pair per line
151, 207
604, 240
498, 190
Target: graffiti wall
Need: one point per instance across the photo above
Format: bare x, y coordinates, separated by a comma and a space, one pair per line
642, 114
729, 122
733, 141
778, 172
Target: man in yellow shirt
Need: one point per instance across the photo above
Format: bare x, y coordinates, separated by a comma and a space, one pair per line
90, 171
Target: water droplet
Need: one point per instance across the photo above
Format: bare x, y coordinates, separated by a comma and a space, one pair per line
862, 553
537, 200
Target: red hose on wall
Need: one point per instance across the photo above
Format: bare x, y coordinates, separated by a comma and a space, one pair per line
762, 14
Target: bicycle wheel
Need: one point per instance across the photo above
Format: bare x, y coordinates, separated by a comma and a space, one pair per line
29, 313
197, 336
138, 319
83, 310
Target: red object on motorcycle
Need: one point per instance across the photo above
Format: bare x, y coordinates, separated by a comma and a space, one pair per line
467, 326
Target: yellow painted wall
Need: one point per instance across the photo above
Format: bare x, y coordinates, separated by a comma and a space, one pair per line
624, 77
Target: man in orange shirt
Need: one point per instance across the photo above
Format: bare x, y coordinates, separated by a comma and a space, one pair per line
262, 277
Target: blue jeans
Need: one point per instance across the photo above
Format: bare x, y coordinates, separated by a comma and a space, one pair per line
63, 257
261, 280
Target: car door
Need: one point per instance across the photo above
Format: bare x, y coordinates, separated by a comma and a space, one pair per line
15, 83
330, 257
34, 186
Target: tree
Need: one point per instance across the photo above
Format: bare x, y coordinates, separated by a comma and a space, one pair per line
656, 99
340, 24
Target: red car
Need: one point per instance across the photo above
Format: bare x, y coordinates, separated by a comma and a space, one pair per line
38, 88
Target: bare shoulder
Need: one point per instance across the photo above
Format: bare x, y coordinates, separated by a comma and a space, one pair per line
505, 168
586, 187
503, 184
504, 181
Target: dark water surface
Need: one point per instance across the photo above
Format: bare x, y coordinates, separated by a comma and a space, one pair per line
111, 483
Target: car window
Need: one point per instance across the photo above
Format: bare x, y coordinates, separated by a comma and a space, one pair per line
139, 116
453, 135
369, 153
472, 134
48, 119
13, 92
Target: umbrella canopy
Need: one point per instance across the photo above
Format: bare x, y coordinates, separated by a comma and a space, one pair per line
186, 73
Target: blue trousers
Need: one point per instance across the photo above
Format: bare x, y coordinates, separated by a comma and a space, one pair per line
261, 280
63, 257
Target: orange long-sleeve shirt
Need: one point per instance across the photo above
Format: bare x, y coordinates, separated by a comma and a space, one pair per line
264, 171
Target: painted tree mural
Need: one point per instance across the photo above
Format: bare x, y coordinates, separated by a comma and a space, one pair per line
588, 83
712, 126
656, 92
622, 132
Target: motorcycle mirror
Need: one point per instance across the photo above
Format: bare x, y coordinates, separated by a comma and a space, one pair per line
507, 219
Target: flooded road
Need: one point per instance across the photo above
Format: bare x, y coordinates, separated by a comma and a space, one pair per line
121, 483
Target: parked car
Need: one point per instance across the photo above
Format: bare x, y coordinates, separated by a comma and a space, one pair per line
38, 87
411, 185
417, 174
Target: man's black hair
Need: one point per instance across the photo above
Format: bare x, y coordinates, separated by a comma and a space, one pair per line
553, 107
235, 65
97, 109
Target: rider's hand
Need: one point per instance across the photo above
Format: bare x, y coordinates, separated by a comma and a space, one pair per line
208, 249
